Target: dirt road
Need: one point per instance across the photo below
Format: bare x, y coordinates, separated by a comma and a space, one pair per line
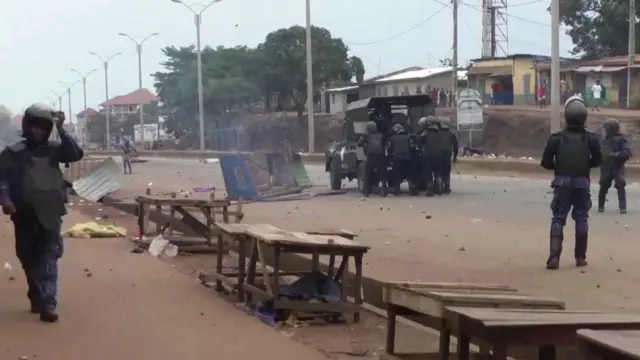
119, 305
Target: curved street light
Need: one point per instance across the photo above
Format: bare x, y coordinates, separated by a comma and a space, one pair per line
83, 126
139, 51
59, 96
105, 64
198, 20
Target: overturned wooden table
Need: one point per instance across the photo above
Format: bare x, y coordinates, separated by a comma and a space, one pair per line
610, 344
236, 234
543, 329
425, 303
208, 208
264, 236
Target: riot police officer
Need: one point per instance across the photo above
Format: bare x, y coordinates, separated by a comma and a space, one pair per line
615, 153
34, 195
571, 153
431, 155
400, 153
375, 167
449, 150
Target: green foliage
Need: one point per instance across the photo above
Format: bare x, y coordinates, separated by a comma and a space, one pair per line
241, 77
446, 62
120, 125
598, 28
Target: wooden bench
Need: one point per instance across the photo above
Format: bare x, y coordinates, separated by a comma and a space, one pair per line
281, 241
609, 344
208, 208
543, 329
425, 303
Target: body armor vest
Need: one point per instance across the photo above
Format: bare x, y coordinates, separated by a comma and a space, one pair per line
39, 186
574, 155
401, 146
375, 144
446, 142
431, 145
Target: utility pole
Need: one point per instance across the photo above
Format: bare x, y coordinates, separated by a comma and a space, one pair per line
554, 121
310, 107
69, 86
454, 60
59, 96
632, 48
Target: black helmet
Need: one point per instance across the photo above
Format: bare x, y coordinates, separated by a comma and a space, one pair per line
40, 115
372, 127
611, 127
397, 128
575, 112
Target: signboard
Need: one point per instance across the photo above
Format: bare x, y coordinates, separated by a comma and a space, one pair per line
469, 110
151, 132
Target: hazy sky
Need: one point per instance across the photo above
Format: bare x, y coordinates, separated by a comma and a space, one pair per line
41, 40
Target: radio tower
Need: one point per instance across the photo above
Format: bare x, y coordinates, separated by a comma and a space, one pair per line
495, 28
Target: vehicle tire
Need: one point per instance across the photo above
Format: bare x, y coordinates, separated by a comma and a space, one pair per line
360, 178
335, 178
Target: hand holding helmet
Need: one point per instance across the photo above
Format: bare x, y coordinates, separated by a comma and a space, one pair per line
58, 118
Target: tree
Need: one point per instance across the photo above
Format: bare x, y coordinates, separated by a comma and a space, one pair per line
284, 59
96, 126
5, 116
598, 28
231, 78
446, 62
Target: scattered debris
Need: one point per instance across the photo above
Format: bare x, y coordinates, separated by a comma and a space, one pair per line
95, 230
7, 266
162, 248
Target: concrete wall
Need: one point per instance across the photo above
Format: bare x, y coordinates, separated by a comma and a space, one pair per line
337, 102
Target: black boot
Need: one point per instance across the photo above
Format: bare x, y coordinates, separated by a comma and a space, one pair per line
581, 249
429, 192
49, 316
622, 200
555, 249
446, 186
602, 198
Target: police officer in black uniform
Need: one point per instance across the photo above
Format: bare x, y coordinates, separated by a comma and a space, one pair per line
571, 153
34, 195
431, 155
615, 153
400, 153
449, 149
375, 166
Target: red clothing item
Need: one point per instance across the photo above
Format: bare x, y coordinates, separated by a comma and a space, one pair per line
542, 92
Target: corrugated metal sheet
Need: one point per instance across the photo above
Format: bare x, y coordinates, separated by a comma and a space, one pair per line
80, 169
104, 179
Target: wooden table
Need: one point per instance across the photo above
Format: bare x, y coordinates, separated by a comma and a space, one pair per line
544, 329
610, 344
208, 208
281, 241
425, 303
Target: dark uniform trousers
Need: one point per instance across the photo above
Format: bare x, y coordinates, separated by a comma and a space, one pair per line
375, 168
38, 250
576, 200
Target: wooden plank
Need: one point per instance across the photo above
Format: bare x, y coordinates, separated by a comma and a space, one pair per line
328, 241
233, 229
512, 300
626, 343
447, 285
520, 318
273, 235
160, 200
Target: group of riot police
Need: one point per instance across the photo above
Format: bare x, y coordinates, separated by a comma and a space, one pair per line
571, 154
424, 158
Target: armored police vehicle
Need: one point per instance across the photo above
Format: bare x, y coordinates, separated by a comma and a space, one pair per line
344, 158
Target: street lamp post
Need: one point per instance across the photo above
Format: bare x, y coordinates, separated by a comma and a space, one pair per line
59, 96
139, 51
198, 20
105, 64
69, 86
84, 95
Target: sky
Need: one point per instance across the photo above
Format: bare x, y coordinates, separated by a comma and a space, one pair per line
42, 40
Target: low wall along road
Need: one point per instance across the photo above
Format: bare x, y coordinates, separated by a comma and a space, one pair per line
490, 166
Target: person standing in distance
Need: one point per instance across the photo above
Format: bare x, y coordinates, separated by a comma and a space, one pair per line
615, 154
596, 90
34, 194
571, 153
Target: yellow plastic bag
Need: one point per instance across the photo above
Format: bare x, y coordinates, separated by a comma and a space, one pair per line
95, 230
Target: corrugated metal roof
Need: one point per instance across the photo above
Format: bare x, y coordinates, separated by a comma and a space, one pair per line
417, 74
599, 68
340, 89
104, 179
